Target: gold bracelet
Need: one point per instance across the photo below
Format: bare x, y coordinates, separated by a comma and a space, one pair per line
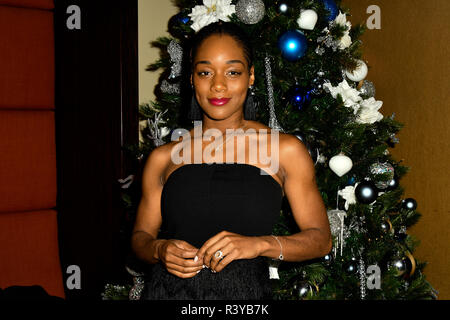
280, 257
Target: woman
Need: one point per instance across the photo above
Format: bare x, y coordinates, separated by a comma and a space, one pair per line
219, 216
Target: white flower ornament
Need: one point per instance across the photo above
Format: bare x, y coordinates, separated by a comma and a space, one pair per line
345, 41
348, 193
349, 95
369, 111
211, 11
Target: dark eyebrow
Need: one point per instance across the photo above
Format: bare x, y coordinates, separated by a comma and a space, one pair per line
202, 61
235, 61
228, 62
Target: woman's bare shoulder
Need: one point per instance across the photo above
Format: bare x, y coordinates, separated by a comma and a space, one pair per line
159, 158
294, 155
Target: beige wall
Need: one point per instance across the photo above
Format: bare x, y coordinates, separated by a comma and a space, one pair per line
409, 60
153, 18
409, 65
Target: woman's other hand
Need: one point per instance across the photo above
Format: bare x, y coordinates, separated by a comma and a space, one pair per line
233, 247
179, 258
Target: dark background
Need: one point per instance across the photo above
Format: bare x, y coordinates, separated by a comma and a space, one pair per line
96, 116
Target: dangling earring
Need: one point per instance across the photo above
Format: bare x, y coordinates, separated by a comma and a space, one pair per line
250, 105
195, 112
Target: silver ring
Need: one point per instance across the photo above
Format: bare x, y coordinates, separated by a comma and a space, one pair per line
218, 254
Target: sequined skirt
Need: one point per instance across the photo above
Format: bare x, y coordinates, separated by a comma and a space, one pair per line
240, 280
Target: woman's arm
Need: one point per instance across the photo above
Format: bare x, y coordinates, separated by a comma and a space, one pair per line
148, 219
308, 209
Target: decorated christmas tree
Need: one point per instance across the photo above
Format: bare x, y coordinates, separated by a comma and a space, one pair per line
311, 82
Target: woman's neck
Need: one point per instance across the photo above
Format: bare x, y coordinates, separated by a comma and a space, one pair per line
223, 126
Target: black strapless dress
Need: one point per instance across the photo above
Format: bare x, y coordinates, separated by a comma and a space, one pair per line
197, 202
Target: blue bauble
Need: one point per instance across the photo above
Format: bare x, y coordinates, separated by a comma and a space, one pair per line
299, 97
293, 45
182, 19
332, 8
351, 181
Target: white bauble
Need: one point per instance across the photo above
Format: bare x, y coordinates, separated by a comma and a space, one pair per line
340, 164
360, 73
307, 20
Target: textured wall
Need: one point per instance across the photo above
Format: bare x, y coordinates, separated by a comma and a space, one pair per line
154, 16
409, 61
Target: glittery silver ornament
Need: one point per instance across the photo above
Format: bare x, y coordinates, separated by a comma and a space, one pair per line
328, 41
367, 89
176, 56
382, 168
138, 281
362, 279
136, 290
155, 132
320, 51
273, 122
167, 87
337, 226
250, 11
317, 86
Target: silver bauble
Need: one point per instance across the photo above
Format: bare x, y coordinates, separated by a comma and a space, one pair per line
399, 265
250, 11
382, 168
302, 289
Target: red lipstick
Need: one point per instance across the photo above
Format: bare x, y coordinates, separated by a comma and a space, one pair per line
219, 102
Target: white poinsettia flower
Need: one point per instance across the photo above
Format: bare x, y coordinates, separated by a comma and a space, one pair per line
368, 112
348, 193
349, 95
342, 20
211, 11
345, 41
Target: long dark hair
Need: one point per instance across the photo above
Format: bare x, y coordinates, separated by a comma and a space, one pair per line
220, 28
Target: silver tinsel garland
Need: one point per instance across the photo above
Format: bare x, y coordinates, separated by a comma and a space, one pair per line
362, 278
273, 122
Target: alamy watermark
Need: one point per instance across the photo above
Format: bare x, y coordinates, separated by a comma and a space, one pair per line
262, 146
374, 20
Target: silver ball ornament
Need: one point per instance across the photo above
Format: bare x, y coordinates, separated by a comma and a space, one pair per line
384, 169
399, 265
302, 289
367, 89
250, 11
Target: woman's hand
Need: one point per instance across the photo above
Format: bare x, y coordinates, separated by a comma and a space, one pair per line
178, 257
233, 246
